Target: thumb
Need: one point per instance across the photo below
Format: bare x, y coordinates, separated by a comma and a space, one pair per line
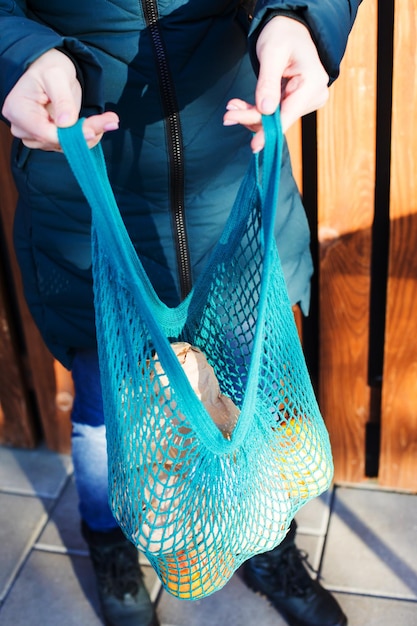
64, 100
64, 111
268, 88
66, 115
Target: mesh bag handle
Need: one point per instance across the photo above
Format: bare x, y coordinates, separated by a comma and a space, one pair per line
214, 436
163, 322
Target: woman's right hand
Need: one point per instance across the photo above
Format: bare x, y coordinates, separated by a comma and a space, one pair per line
48, 96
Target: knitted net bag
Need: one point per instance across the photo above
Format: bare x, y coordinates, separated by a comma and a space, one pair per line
215, 439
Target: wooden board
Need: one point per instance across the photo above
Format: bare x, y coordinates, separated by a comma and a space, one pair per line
17, 424
39, 371
346, 174
17, 418
294, 140
398, 459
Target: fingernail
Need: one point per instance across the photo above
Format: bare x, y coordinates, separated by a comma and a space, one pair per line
231, 107
268, 106
111, 126
230, 123
63, 119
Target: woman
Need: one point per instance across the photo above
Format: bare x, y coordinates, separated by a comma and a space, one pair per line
168, 76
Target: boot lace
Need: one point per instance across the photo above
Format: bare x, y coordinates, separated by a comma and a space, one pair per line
291, 571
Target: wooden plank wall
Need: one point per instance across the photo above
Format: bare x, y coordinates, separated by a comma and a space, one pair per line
343, 206
398, 465
17, 422
34, 390
346, 174
17, 426
349, 145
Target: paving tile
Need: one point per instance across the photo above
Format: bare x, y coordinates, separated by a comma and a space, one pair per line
375, 611
21, 520
371, 545
53, 589
234, 605
63, 529
312, 547
30, 472
313, 517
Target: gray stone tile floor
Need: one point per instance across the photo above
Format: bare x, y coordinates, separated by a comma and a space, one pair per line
362, 541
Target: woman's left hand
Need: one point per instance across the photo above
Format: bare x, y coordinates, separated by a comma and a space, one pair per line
290, 75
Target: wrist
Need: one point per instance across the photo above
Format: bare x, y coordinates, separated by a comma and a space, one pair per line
270, 14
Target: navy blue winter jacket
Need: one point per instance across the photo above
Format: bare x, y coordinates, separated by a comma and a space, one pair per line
168, 68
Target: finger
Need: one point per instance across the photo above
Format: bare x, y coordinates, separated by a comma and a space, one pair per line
301, 101
36, 129
237, 105
268, 88
47, 136
258, 141
251, 118
95, 126
64, 97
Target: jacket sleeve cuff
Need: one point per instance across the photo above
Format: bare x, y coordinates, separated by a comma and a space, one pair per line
22, 46
329, 23
89, 74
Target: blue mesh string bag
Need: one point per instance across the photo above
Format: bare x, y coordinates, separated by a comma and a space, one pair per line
214, 436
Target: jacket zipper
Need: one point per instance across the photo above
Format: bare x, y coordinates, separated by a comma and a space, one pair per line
175, 147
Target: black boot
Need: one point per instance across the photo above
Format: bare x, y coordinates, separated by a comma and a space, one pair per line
280, 575
123, 595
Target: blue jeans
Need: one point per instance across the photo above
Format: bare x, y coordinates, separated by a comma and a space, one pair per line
89, 450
